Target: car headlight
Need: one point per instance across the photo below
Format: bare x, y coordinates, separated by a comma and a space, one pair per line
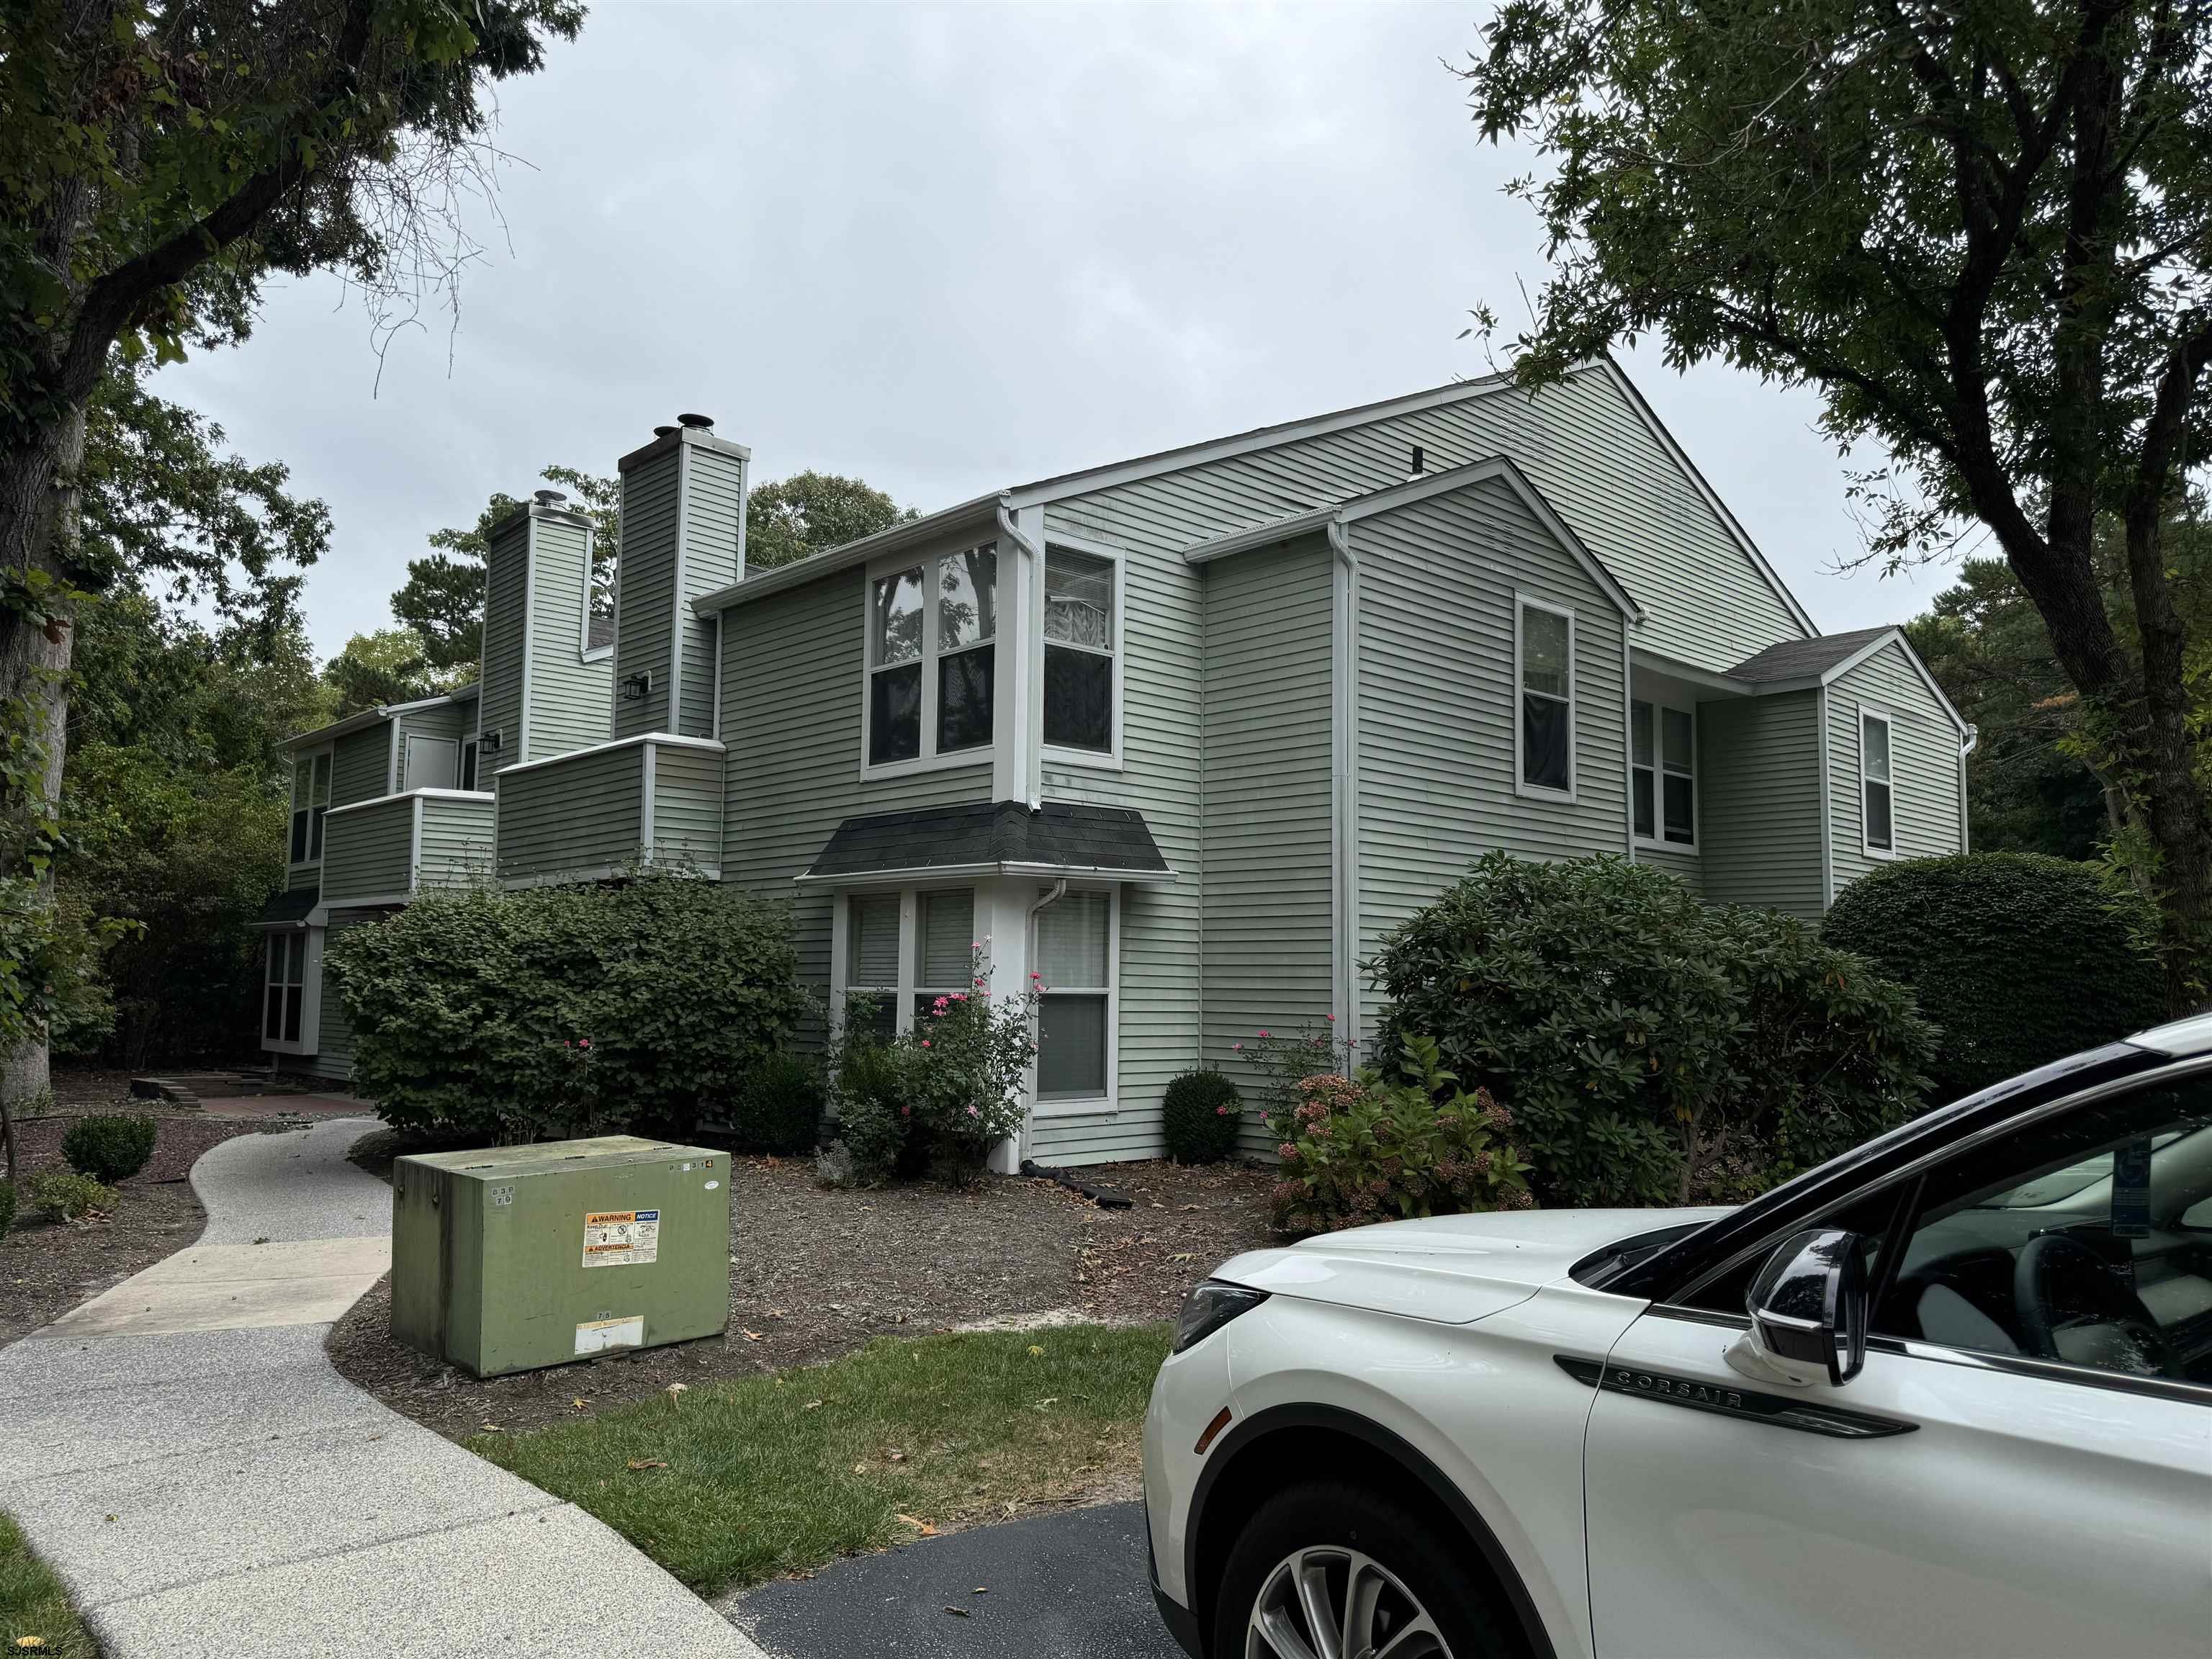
1210, 1307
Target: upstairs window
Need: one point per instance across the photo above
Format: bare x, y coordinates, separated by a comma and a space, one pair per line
469, 764
1875, 799
1663, 774
311, 798
1080, 648
1544, 664
933, 658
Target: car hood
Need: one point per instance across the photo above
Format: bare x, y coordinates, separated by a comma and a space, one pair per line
1453, 1269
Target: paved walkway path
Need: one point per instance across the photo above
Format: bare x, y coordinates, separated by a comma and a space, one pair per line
182, 1453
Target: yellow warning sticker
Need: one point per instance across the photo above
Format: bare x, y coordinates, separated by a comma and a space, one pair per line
621, 1238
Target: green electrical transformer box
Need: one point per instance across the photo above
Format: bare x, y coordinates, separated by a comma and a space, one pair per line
517, 1257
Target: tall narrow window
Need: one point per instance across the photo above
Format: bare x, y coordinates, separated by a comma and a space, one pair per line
894, 627
1874, 787
1662, 773
967, 661
286, 976
943, 954
871, 959
1079, 647
932, 657
1074, 957
1545, 641
311, 798
469, 764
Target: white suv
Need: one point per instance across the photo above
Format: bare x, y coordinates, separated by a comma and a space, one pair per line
1949, 1394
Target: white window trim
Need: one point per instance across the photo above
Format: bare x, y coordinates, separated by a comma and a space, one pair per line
1659, 843
1523, 604
1090, 1105
310, 992
329, 752
929, 760
909, 987
1086, 759
1868, 711
584, 650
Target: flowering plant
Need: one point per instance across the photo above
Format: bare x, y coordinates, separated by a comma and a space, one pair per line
1287, 1059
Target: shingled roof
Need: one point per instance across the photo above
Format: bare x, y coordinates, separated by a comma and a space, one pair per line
1058, 838
288, 907
1805, 659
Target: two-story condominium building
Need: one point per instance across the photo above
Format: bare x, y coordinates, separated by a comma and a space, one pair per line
1182, 736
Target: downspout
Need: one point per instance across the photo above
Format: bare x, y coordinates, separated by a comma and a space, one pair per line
1344, 828
1019, 1154
1024, 743
1966, 747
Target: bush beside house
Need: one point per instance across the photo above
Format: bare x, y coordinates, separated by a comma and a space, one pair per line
509, 1017
1649, 1049
778, 1109
109, 1146
2018, 959
936, 1098
1198, 1117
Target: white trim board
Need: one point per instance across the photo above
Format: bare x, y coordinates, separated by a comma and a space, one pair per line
714, 745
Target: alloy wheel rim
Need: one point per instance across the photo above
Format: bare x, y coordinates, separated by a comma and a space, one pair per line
1328, 1602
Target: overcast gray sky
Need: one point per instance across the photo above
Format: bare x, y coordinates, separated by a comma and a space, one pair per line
948, 249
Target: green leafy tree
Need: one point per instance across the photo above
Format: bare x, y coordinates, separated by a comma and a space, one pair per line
158, 159
1983, 233
810, 512
392, 664
442, 600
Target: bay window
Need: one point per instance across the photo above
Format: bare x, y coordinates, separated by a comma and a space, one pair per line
1544, 675
1080, 646
311, 798
284, 986
871, 959
932, 660
1663, 774
1075, 1003
944, 947
905, 950
1876, 801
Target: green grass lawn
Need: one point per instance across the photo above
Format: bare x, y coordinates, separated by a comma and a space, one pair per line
35, 1615
730, 1484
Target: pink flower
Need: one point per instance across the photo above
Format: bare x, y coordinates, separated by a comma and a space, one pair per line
1221, 1111
1236, 1047
1263, 1036
906, 1111
1037, 975
1332, 1019
925, 1043
960, 996
972, 1112
979, 983
584, 1042
1286, 1150
941, 1001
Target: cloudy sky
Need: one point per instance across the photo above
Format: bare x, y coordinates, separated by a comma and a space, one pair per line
951, 248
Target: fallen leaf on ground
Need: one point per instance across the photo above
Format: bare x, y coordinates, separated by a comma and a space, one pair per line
494, 1428
957, 1613
810, 1405
918, 1524
648, 1463
894, 1455
580, 1405
752, 1336
1035, 1352
675, 1388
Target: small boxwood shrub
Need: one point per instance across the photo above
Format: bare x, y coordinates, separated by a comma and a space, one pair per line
2018, 959
1199, 1116
507, 1018
1650, 1050
109, 1146
65, 1196
778, 1109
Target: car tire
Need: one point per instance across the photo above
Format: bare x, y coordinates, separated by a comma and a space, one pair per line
1330, 1529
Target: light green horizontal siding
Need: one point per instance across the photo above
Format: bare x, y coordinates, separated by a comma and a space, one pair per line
791, 718
1924, 764
687, 807
367, 851
1269, 802
570, 700
645, 593
1439, 705
450, 721
572, 816
506, 596
715, 498
456, 843
360, 764
1685, 867
1758, 788
334, 1039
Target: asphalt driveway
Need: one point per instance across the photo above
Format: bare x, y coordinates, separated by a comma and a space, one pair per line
1072, 1585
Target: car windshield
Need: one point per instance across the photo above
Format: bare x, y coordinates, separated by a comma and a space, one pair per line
2054, 1186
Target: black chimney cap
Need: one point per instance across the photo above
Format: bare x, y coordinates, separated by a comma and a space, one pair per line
662, 431
698, 422
1418, 459
551, 498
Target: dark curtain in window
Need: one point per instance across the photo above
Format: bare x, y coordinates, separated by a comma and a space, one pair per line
964, 685
1544, 743
298, 836
895, 713
1079, 699
1646, 825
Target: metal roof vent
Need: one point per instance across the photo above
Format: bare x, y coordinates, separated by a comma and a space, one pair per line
1419, 466
551, 498
698, 422
662, 431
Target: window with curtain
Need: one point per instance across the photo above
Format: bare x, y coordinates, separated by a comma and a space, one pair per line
872, 960
1874, 787
1664, 772
943, 948
1079, 651
1074, 950
932, 657
1546, 673
285, 983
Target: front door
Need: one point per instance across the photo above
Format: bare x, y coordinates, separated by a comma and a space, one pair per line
2024, 1467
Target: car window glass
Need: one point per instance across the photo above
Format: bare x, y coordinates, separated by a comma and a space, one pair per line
2069, 1239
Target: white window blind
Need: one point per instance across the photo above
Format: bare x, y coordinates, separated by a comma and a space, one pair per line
1072, 935
944, 931
873, 958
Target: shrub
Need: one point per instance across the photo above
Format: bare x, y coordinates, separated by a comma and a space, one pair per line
1199, 1116
6, 1207
65, 1196
1644, 1043
110, 1147
778, 1109
1286, 1059
1362, 1149
938, 1097
508, 1018
2018, 959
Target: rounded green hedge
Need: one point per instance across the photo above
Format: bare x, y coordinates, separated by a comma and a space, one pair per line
1200, 1116
778, 1110
2018, 958
109, 1146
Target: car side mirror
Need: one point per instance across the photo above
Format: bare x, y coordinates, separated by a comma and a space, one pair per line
1809, 1312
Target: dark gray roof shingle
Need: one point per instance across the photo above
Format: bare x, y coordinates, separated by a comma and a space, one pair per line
1059, 835
288, 907
1801, 660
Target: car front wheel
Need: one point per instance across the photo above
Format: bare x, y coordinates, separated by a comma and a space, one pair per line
1337, 1571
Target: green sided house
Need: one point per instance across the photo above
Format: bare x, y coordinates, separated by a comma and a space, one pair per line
1182, 736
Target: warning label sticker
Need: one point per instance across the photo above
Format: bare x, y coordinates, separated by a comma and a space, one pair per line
621, 1238
595, 1335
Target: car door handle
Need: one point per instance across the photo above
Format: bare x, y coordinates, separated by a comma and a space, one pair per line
1725, 1400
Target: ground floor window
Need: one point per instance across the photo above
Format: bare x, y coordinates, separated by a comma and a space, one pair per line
1074, 950
1663, 774
904, 950
284, 987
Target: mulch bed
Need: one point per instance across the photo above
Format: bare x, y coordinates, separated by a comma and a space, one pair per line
817, 1272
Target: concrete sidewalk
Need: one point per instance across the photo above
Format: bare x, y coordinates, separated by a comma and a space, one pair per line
182, 1453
